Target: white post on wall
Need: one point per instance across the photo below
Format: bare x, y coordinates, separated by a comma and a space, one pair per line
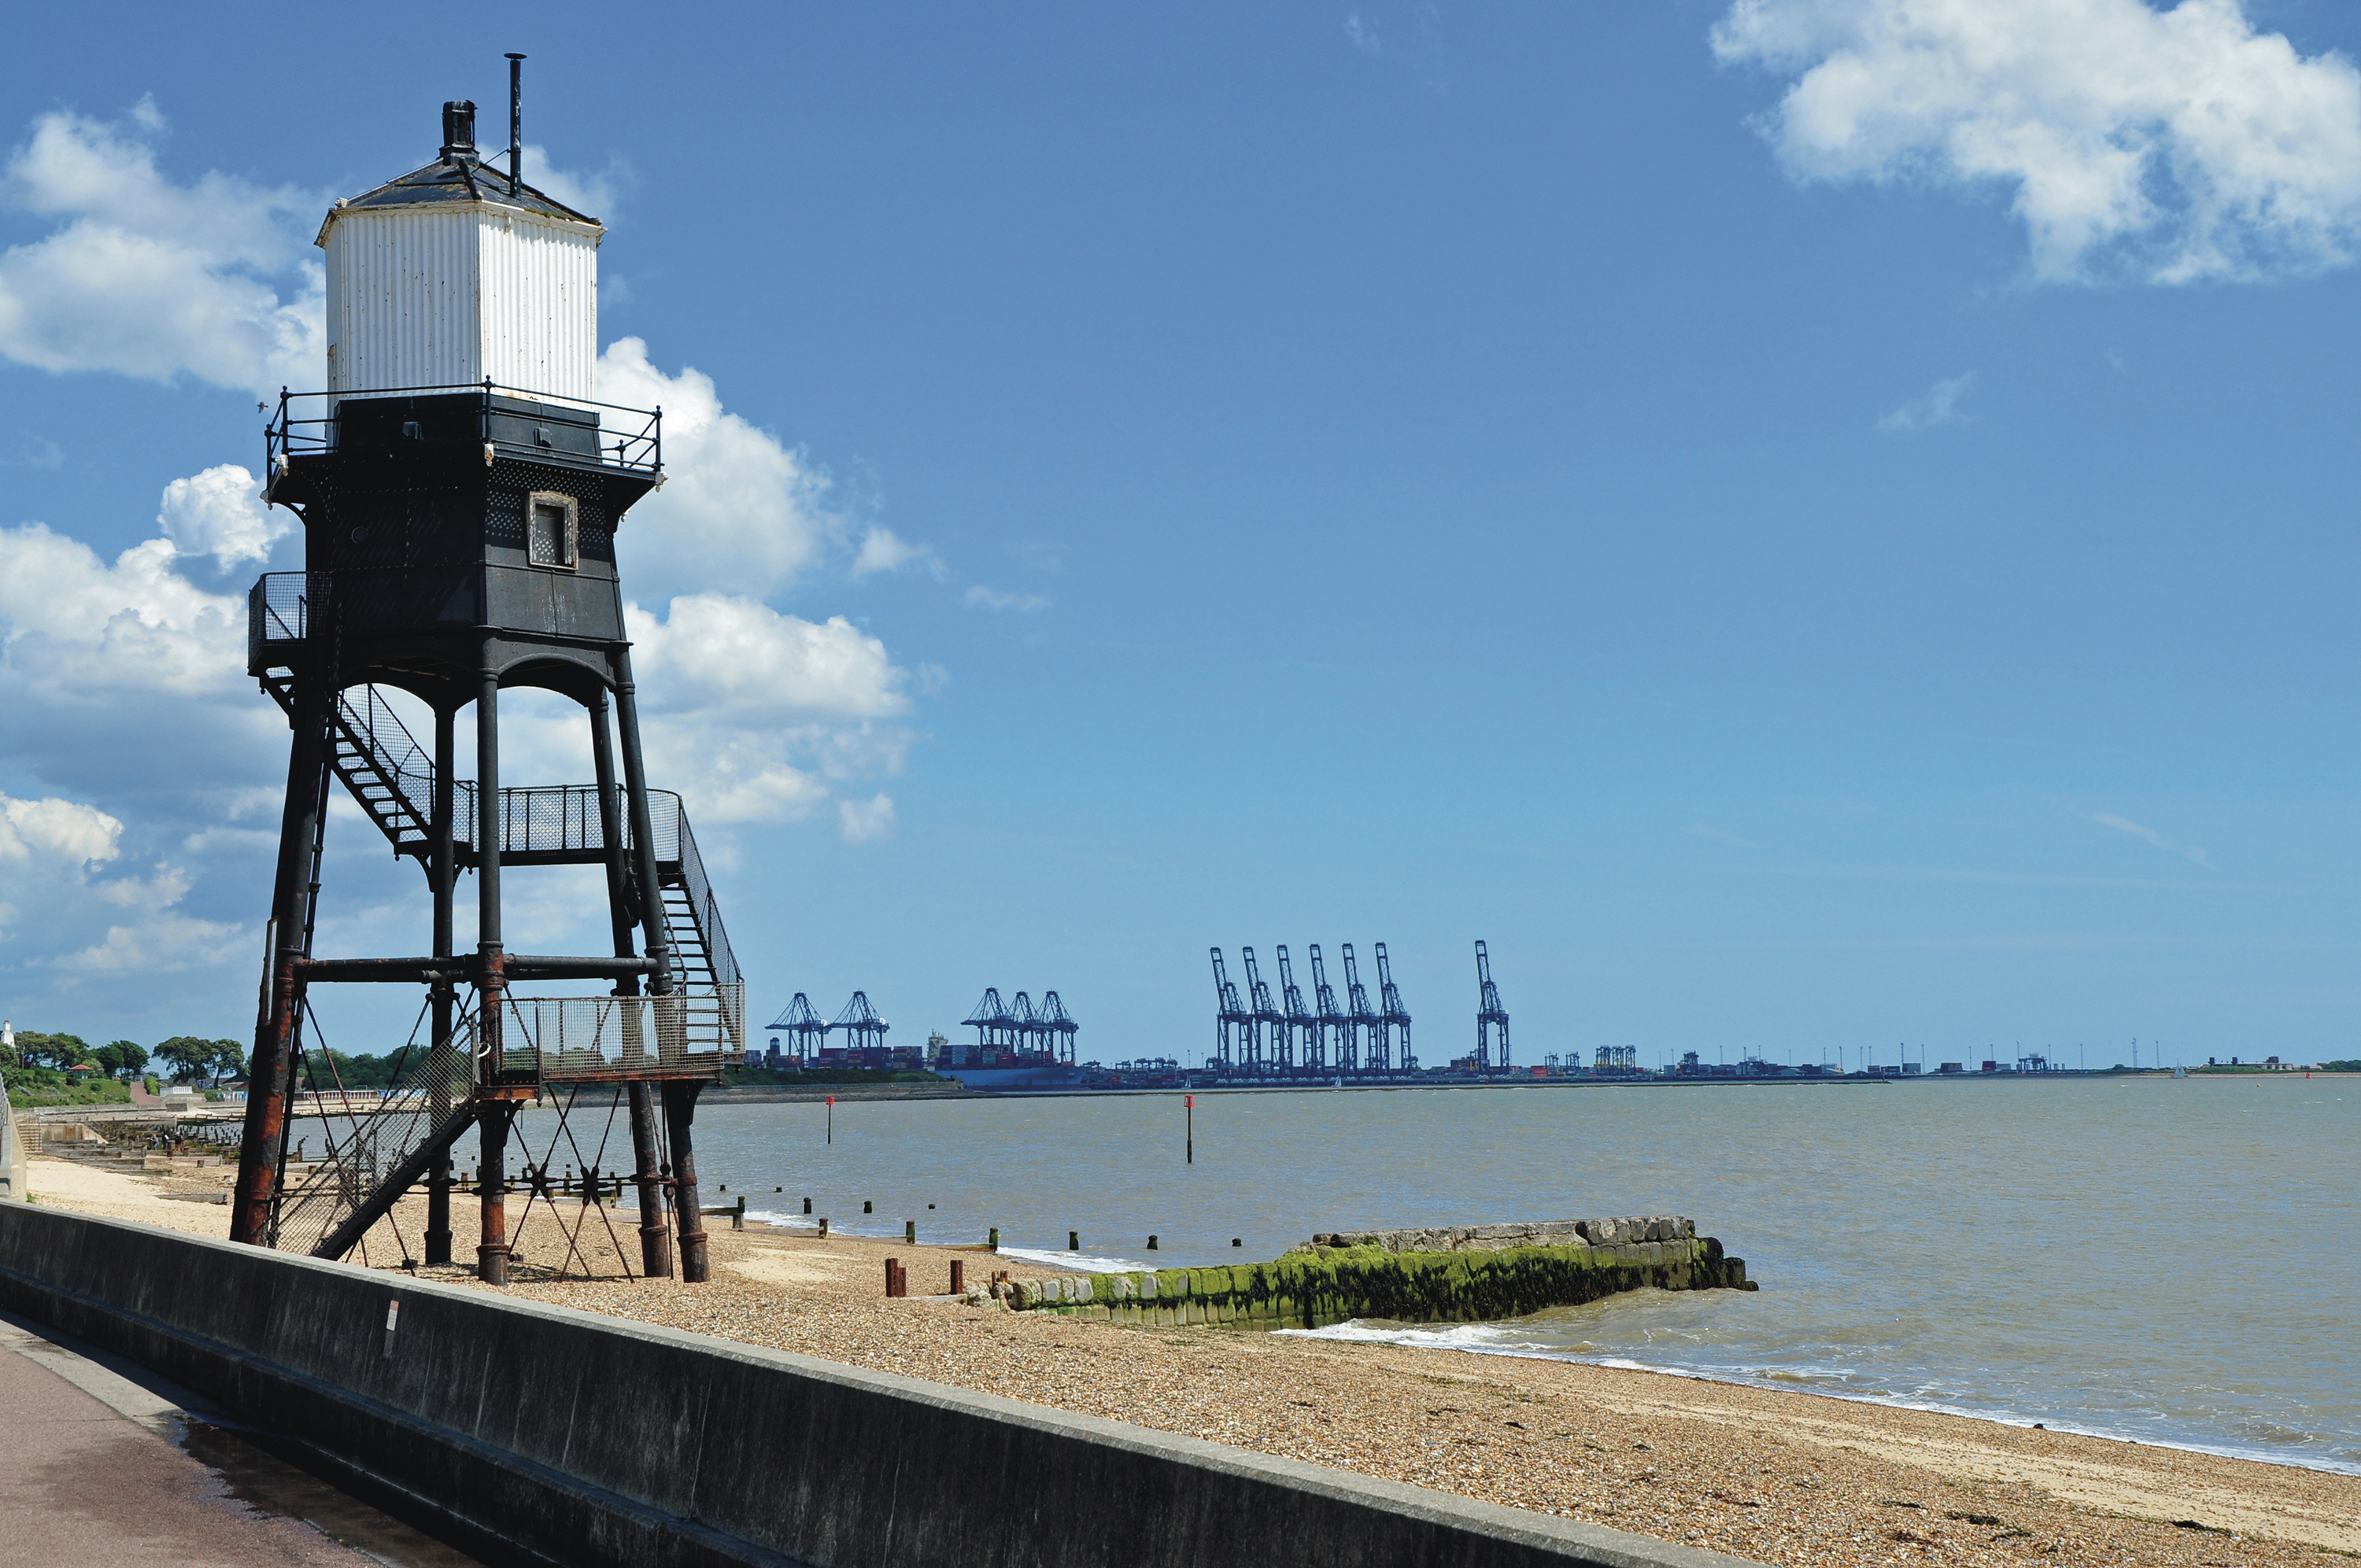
12, 1147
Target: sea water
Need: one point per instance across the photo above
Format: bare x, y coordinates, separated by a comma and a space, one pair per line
2169, 1261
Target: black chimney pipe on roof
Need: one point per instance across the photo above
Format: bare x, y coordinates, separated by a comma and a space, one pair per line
458, 130
516, 122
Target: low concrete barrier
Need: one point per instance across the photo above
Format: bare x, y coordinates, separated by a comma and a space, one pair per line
588, 1440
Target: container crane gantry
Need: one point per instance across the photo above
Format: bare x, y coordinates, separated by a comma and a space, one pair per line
1306, 1024
1378, 1055
1489, 1012
809, 1028
1235, 1038
1269, 1016
1395, 1017
1333, 1020
863, 1028
1057, 1030
990, 1021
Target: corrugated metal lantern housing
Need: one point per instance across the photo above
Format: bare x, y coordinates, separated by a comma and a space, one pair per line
447, 277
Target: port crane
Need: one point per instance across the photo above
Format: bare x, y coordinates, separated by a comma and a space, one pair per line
1057, 1028
863, 1029
1236, 1038
1395, 1015
1489, 1012
1378, 1056
1301, 1020
1332, 1019
805, 1022
1269, 1016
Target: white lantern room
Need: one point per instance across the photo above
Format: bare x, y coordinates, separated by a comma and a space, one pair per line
457, 273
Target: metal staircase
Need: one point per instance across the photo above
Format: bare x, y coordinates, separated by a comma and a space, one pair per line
391, 777
377, 1147
381, 1147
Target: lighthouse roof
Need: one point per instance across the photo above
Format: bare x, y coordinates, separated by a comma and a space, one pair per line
457, 180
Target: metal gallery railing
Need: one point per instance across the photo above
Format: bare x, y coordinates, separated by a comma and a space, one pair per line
306, 423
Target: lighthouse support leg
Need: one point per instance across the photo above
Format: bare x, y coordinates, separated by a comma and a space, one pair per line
444, 873
680, 1113
656, 1230
271, 1072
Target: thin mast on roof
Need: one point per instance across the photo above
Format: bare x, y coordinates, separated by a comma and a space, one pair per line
516, 121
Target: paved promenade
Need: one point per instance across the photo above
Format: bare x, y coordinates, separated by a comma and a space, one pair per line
93, 1471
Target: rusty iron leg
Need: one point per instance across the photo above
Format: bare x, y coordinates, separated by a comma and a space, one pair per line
680, 1112
655, 1229
272, 1067
443, 876
491, 1189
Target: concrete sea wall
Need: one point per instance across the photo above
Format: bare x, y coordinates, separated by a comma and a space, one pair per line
1466, 1273
592, 1441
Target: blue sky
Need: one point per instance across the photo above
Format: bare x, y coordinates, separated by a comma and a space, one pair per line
1803, 531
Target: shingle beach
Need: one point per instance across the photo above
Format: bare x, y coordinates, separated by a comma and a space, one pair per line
1780, 1477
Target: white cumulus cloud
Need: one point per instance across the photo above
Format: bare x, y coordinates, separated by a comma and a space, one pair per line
2176, 145
65, 831
592, 194
737, 508
153, 278
54, 853
770, 707
220, 514
718, 651
881, 551
75, 629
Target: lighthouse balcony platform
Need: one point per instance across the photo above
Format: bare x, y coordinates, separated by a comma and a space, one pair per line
479, 422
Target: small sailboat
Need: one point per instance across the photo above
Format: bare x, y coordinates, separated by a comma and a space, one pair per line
2179, 1070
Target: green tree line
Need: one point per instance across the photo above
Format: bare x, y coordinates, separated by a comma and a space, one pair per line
186, 1058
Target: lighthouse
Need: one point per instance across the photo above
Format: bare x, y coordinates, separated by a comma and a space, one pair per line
461, 486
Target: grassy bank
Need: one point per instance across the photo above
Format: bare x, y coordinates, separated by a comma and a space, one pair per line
29, 1087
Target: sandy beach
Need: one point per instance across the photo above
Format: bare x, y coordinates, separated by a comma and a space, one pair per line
1775, 1476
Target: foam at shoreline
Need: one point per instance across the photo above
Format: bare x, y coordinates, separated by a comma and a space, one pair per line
1490, 1339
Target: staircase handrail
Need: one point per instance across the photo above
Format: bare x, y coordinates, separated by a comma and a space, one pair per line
707, 911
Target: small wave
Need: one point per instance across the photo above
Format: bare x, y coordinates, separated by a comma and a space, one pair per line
1482, 1338
1822, 1382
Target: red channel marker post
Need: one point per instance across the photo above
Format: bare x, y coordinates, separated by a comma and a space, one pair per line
1190, 1105
831, 1118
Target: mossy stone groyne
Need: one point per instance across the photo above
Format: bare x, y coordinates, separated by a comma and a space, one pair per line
1462, 1273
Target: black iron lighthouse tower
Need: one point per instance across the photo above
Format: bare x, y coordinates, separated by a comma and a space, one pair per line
461, 490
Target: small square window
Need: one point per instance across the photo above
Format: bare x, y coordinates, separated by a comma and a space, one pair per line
550, 532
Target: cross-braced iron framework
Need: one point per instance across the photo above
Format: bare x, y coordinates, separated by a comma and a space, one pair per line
412, 505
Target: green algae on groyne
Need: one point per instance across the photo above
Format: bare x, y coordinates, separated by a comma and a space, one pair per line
1463, 1273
